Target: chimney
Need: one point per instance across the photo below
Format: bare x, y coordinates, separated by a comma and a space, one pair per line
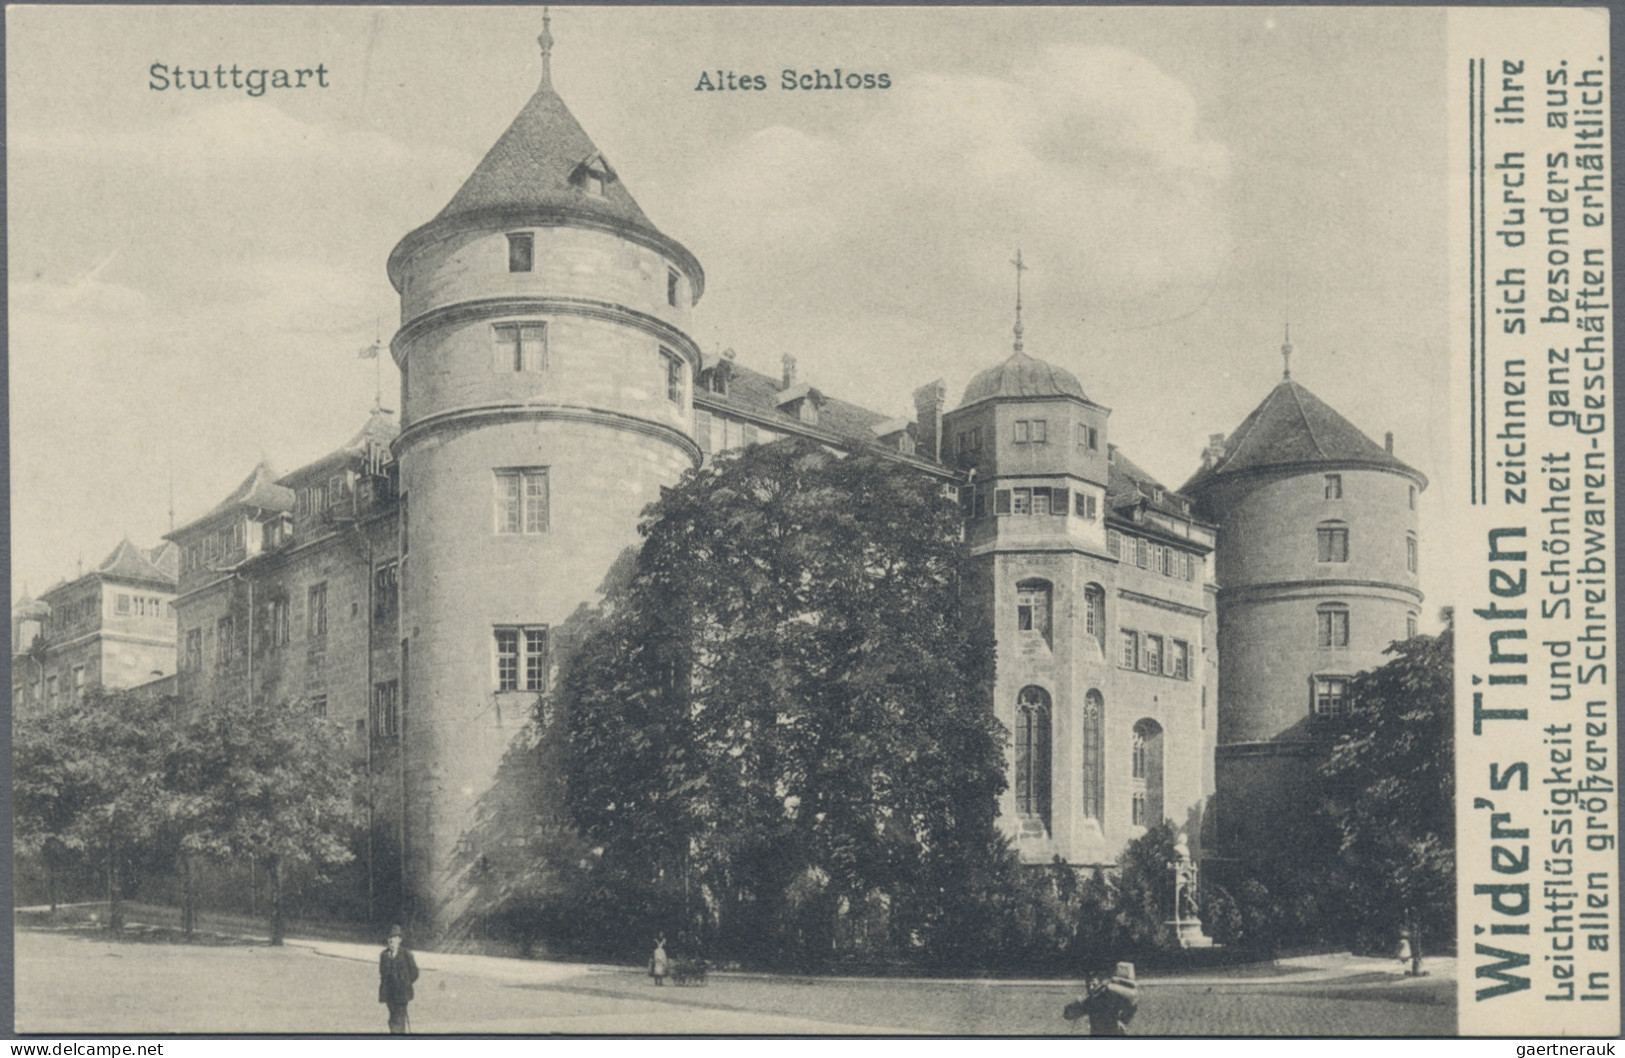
789, 371
928, 403
1214, 450
1388, 442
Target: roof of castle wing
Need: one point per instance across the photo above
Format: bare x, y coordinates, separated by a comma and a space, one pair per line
1295, 428
128, 562
536, 165
259, 489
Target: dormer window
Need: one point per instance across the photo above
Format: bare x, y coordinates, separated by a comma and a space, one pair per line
593, 175
521, 249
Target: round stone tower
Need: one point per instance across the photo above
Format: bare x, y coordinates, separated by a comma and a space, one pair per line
545, 392
1317, 573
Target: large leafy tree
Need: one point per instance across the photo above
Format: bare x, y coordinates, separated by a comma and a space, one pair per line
268, 783
1390, 782
783, 716
88, 779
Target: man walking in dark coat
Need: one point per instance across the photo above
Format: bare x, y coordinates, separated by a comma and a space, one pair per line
396, 972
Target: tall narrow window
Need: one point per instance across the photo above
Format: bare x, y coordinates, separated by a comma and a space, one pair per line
1332, 539
1041, 501
1142, 559
1033, 606
1021, 501
521, 500
507, 659
1033, 754
674, 375
1334, 486
1410, 552
536, 661
1131, 649
1023, 432
406, 536
1179, 660
386, 715
1413, 497
1147, 773
318, 704
122, 605
1114, 543
1410, 626
1040, 431
316, 613
1094, 772
1094, 614
521, 246
520, 346
1334, 625
671, 287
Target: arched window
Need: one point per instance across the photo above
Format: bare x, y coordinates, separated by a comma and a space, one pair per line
1332, 624
1332, 541
1033, 605
1147, 770
1410, 552
1094, 614
1033, 754
1094, 771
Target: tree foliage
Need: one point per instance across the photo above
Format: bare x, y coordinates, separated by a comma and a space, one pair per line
783, 716
267, 783
1390, 784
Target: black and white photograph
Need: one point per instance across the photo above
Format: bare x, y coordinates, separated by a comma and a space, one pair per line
777, 521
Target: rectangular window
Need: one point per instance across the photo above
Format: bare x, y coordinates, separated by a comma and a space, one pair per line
1087, 438
1023, 431
507, 659
521, 249
1143, 558
702, 430
1114, 542
674, 375
1410, 626
521, 500
1021, 501
1333, 543
536, 661
520, 346
1190, 566
122, 605
78, 680
1410, 553
225, 641
1331, 696
1001, 501
671, 287
316, 611
1413, 497
386, 711
1334, 628
1131, 649
1153, 654
1334, 486
386, 584
318, 704
1041, 498
194, 649
1059, 502
1040, 432
276, 622
1180, 660
406, 537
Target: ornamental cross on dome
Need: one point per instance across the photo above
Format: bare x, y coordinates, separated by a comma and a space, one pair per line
1020, 268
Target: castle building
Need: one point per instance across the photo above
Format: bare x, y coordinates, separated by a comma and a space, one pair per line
1317, 563
113, 627
413, 583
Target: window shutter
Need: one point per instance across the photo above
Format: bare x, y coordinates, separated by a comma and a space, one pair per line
1001, 501
1058, 505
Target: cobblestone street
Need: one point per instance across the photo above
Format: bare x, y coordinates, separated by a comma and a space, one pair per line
79, 981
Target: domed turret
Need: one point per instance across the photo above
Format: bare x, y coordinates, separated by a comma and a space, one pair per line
1022, 376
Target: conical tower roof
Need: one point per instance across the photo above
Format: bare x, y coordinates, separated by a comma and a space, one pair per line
1295, 428
541, 163
545, 168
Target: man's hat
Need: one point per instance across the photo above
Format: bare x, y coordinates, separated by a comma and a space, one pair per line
395, 931
1125, 970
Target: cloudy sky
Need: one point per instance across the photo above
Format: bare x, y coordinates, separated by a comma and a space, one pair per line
193, 272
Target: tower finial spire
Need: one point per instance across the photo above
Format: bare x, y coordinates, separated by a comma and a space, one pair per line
546, 41
1286, 345
1020, 268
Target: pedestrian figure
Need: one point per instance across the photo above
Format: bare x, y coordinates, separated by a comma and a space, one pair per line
1110, 1005
396, 972
658, 962
1404, 950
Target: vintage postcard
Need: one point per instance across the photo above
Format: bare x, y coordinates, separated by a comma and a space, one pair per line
796, 521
